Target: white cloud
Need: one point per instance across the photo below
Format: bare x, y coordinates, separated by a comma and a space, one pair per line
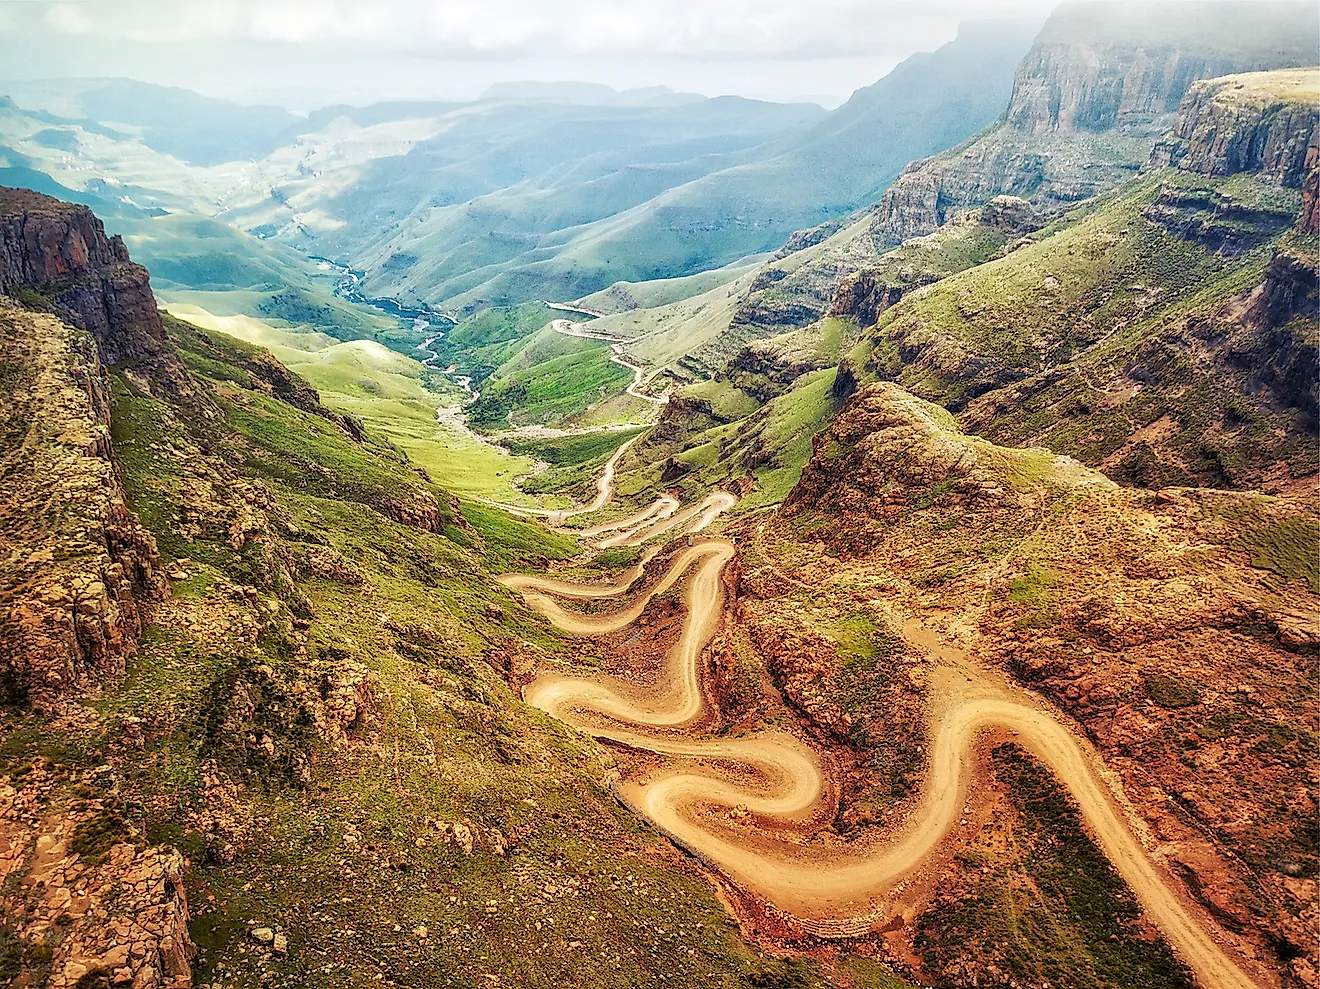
672, 28
306, 53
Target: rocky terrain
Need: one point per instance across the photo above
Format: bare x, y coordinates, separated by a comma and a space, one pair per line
299, 763
1206, 296
80, 571
1260, 123
1098, 90
59, 252
1177, 628
1158, 589
1039, 427
1098, 87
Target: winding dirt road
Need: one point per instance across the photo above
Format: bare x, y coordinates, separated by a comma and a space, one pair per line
839, 890
604, 491
570, 329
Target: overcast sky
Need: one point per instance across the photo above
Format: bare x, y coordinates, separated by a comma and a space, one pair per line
306, 54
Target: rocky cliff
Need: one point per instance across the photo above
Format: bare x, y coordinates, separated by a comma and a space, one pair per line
80, 569
1099, 66
1262, 122
967, 239
1089, 101
59, 252
1154, 338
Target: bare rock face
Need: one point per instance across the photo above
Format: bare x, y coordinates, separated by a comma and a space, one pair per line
79, 566
114, 916
60, 251
1099, 66
1262, 122
1310, 220
864, 296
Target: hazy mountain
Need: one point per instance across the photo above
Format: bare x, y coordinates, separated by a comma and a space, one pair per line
587, 93
926, 104
195, 129
536, 190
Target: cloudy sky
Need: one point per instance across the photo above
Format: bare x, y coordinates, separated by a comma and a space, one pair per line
302, 54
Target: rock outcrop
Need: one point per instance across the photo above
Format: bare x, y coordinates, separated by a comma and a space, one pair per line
79, 568
882, 456
276, 380
103, 909
1267, 123
864, 295
868, 292
1310, 219
59, 252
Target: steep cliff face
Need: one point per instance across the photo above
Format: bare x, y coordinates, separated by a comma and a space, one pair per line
1262, 122
1155, 339
1099, 66
1310, 221
80, 568
1089, 101
60, 251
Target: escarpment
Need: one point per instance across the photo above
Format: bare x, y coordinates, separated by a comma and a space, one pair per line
1165, 336
82, 573
59, 252
1090, 99
1267, 123
80, 569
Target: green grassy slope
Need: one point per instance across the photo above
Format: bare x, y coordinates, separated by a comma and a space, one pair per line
624, 296
326, 733
1113, 326
196, 260
550, 378
394, 395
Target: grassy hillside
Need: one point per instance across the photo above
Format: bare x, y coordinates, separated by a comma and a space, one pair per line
518, 245
625, 296
461, 835
200, 261
550, 378
395, 396
1105, 339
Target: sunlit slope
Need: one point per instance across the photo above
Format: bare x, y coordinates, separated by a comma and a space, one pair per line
389, 393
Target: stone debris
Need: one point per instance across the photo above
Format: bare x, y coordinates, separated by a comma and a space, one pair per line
125, 915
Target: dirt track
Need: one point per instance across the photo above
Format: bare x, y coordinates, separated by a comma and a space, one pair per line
779, 780
571, 329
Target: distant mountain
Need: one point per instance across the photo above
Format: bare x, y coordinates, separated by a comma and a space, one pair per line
588, 94
195, 129
713, 215
432, 204
1100, 85
536, 190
